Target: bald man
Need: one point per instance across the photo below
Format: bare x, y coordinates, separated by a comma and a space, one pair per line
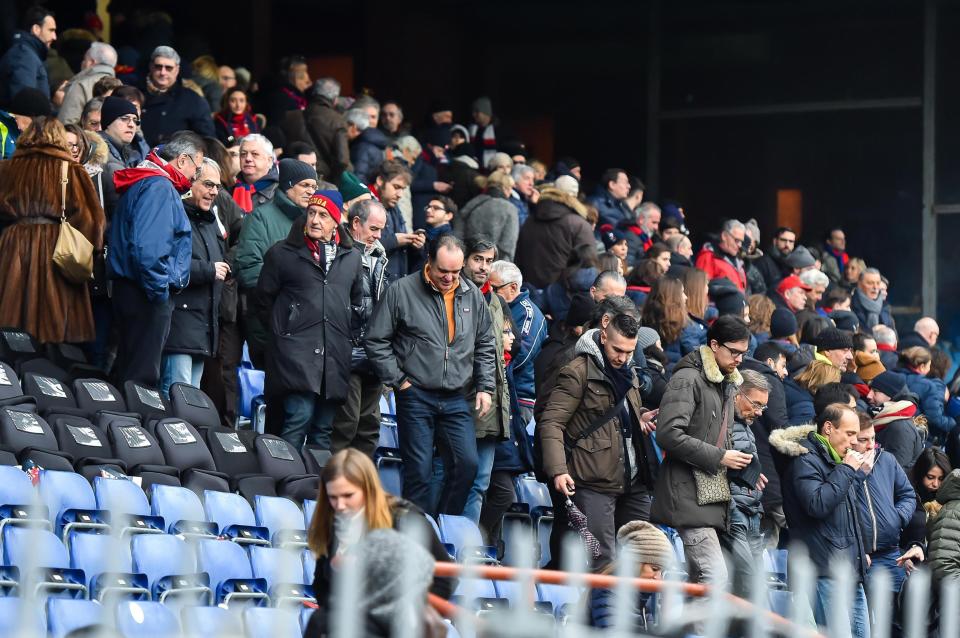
927, 328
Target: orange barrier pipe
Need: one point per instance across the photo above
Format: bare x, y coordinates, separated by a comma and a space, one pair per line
599, 581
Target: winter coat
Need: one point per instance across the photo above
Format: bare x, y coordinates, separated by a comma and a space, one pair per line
858, 308
821, 507
229, 127
195, 325
311, 316
495, 423
22, 67
323, 126
583, 394
520, 203
555, 230
492, 217
717, 264
902, 437
773, 418
886, 503
556, 352
9, 132
398, 256
943, 550
611, 211
558, 295
408, 340
693, 335
688, 427
603, 610
746, 499
799, 403
268, 224
931, 393
533, 330
514, 455
421, 191
367, 153
756, 285
771, 269
34, 296
80, 91
462, 173
232, 217
120, 156
889, 357
163, 114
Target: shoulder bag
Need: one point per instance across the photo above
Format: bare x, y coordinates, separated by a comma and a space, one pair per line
714, 488
73, 254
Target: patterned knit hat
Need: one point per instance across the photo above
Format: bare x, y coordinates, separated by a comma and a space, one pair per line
645, 543
324, 202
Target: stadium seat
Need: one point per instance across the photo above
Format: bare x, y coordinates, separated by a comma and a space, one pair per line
250, 383
43, 562
390, 469
51, 392
71, 503
128, 506
138, 449
193, 405
231, 576
65, 615
517, 528
478, 595
388, 405
30, 438
315, 458
305, 614
232, 455
137, 619
170, 566
262, 622
86, 444
466, 539
560, 596
536, 496
388, 434
284, 520
11, 392
775, 562
309, 507
94, 395
19, 502
147, 402
17, 621
283, 572
781, 602
107, 565
186, 450
182, 511
16, 345
207, 622
279, 460
234, 518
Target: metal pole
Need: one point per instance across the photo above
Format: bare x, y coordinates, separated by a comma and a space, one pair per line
653, 99
929, 223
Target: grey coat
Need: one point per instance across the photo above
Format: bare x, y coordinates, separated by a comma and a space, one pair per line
494, 218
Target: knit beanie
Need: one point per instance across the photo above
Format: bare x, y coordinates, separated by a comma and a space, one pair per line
727, 297
646, 337
783, 323
800, 258
293, 171
324, 202
833, 339
845, 320
351, 187
334, 196
30, 102
567, 184
581, 309
645, 544
890, 383
753, 228
113, 109
868, 366
483, 105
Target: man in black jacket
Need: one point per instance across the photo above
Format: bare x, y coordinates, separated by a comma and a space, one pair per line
170, 106
430, 340
771, 265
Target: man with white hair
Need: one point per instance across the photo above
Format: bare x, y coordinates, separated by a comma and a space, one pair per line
524, 194
368, 144
324, 127
98, 62
426, 185
927, 328
259, 175
817, 283
169, 106
721, 259
507, 281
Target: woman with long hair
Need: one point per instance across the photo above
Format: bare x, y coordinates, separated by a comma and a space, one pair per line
235, 118
761, 311
800, 389
915, 363
34, 296
664, 312
696, 286
641, 280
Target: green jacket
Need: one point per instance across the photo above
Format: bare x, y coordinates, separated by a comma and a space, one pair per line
943, 550
496, 423
268, 224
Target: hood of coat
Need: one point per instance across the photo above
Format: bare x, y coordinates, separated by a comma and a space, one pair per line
587, 345
950, 490
704, 361
295, 236
555, 204
789, 441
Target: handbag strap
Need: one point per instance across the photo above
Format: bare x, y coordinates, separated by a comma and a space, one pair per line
724, 423
601, 421
64, 180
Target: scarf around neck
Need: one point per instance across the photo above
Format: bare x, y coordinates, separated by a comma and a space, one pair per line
826, 443
873, 307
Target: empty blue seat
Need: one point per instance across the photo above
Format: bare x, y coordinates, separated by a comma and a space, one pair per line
284, 520
388, 433
781, 602
390, 469
466, 539
128, 506
18, 499
234, 518
479, 595
536, 496
105, 561
262, 622
203, 622
65, 615
70, 502
142, 619
231, 577
560, 596
170, 566
282, 569
181, 510
43, 562
309, 507
775, 561
17, 621
388, 405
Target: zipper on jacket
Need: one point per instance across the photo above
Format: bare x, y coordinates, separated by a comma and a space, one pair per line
873, 517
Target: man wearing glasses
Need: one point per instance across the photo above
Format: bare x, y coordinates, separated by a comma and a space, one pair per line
119, 122
694, 429
721, 259
169, 106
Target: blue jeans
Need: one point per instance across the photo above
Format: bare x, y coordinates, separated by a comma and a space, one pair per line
859, 615
426, 418
888, 560
180, 368
744, 542
307, 417
485, 453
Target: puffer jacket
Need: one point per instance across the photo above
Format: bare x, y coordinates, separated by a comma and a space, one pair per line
492, 217
533, 330
603, 610
943, 550
688, 427
746, 499
367, 153
373, 259
931, 393
583, 393
716, 264
886, 503
555, 230
821, 509
799, 403
178, 109
22, 66
773, 418
693, 335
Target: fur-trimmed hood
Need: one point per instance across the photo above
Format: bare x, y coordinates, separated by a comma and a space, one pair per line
704, 359
789, 441
553, 194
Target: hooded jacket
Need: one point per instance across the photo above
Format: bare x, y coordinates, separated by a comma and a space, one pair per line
583, 393
900, 432
265, 226
249, 196
150, 236
688, 427
799, 402
492, 217
821, 508
80, 91
771, 267
886, 503
943, 550
22, 66
747, 499
717, 264
556, 229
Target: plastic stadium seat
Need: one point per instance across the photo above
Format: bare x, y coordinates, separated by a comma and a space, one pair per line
15, 621
128, 506
185, 449
315, 458
136, 619
466, 539
262, 622
309, 566
781, 602
204, 622
390, 469
105, 561
232, 455
283, 571
536, 496
170, 566
42, 553
147, 402
18, 500
86, 444
182, 511
193, 405
65, 615
479, 595
51, 392
234, 518
250, 382
560, 596
136, 447
17, 345
305, 613
284, 520
280, 460
11, 392
231, 576
388, 405
30, 437
94, 395
309, 507
388, 434
71, 503
775, 562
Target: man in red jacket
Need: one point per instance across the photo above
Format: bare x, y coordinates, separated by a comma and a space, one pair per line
720, 260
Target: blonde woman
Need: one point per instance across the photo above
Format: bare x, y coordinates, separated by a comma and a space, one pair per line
915, 365
800, 389
492, 216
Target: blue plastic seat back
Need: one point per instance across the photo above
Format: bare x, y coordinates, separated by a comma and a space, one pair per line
15, 487
277, 566
96, 554
391, 474
309, 566
33, 547
460, 532
143, 619
66, 614
388, 433
469, 589
781, 602
16, 621
309, 507
226, 509
251, 382
270, 622
222, 560
203, 622
176, 504
162, 555
120, 497
277, 513
532, 492
558, 595
61, 491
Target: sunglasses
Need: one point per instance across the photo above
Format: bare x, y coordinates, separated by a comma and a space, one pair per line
169, 68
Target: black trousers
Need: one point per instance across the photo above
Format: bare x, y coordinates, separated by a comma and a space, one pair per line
143, 328
500, 496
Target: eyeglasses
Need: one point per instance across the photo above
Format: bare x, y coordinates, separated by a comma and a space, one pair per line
73, 146
737, 354
210, 186
430, 207
169, 68
130, 119
756, 405
501, 286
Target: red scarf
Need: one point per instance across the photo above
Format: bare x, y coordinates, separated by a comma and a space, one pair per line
886, 347
237, 125
316, 251
152, 166
296, 97
486, 289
